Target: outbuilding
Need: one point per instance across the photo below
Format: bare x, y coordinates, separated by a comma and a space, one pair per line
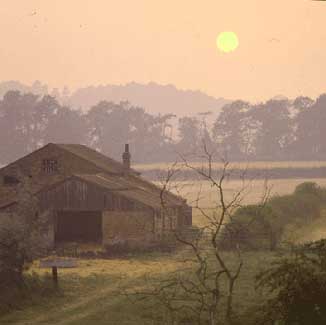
93, 198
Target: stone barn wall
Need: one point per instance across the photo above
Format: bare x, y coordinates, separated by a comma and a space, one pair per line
134, 227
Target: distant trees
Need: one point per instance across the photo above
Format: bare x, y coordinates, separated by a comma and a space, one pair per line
274, 128
60, 123
17, 124
278, 129
111, 125
230, 130
189, 134
29, 121
311, 128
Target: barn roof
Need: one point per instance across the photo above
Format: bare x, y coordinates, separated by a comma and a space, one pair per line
135, 189
94, 156
129, 187
113, 177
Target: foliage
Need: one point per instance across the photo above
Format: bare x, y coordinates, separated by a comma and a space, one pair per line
278, 129
252, 227
23, 232
298, 287
256, 227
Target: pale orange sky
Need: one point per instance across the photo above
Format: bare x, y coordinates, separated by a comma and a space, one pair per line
82, 42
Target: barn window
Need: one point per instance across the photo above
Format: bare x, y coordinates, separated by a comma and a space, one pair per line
50, 166
10, 180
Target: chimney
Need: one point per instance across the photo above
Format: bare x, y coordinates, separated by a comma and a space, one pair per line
126, 157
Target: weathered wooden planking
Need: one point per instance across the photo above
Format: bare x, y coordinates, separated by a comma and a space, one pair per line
59, 263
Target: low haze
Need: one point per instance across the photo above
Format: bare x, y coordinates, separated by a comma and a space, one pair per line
81, 43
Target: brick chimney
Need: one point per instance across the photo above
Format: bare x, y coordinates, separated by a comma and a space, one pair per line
126, 157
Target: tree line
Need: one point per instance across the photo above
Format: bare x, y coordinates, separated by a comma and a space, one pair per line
278, 129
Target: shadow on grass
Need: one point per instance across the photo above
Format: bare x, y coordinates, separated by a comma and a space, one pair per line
33, 290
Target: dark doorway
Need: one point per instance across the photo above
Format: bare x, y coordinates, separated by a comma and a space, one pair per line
79, 226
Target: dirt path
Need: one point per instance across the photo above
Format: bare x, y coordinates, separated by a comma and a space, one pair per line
59, 317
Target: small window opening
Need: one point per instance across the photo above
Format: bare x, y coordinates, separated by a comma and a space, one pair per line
50, 166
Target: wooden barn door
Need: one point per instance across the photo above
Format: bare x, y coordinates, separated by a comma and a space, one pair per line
79, 226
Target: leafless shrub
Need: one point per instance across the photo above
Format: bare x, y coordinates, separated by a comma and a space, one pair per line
202, 290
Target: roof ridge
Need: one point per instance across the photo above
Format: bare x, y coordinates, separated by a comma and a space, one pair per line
27, 155
118, 165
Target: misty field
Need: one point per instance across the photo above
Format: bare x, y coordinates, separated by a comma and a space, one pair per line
240, 165
253, 191
93, 293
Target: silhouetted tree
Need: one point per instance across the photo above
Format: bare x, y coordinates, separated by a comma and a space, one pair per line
230, 128
189, 134
274, 128
17, 124
311, 122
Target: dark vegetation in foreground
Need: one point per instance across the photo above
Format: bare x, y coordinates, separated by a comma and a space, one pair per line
296, 285
278, 129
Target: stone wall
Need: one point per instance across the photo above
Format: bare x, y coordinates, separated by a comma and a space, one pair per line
132, 227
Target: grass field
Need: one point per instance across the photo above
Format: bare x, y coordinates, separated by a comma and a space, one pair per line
92, 292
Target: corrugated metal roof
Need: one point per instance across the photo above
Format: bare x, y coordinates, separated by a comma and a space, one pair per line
134, 188
107, 181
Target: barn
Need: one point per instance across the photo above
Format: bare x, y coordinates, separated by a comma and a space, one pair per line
90, 197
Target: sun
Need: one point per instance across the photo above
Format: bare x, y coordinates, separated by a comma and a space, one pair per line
227, 42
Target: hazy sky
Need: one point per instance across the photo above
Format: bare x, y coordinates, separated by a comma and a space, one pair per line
81, 42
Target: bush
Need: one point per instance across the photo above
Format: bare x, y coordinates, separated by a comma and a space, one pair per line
252, 227
308, 188
20, 244
298, 287
261, 227
22, 238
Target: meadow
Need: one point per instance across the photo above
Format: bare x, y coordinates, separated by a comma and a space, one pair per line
92, 293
